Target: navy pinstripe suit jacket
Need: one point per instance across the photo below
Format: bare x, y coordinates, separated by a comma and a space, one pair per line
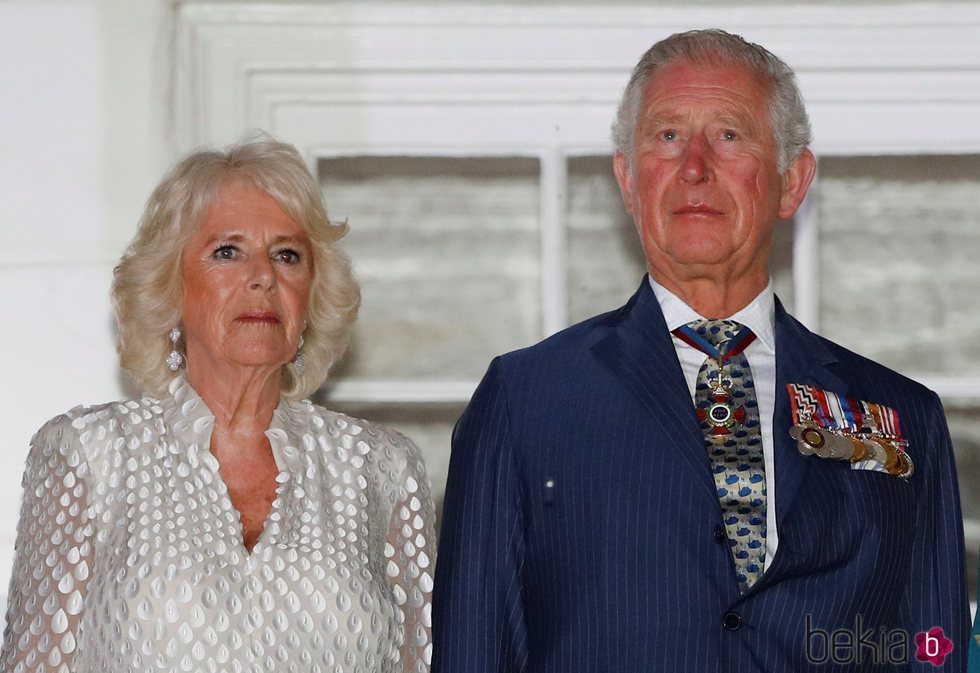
580, 521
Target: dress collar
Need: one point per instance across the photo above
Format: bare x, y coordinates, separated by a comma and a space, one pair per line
190, 420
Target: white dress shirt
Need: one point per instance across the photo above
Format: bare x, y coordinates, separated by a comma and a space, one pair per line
760, 317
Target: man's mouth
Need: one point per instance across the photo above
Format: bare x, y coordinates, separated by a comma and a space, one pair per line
697, 209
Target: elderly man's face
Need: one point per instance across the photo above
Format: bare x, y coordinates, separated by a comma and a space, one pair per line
703, 187
246, 275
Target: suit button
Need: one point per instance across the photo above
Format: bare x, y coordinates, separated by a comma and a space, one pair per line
731, 621
720, 534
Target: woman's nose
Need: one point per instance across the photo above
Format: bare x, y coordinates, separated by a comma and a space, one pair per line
261, 274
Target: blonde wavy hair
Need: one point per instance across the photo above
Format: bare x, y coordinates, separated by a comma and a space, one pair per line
147, 287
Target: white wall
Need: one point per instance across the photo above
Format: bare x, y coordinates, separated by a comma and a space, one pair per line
52, 212
82, 140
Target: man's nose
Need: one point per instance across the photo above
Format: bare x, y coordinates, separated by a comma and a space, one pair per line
696, 161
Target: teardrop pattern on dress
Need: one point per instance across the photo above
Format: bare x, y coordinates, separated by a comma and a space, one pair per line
130, 556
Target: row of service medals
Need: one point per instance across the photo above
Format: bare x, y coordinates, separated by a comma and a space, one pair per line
841, 428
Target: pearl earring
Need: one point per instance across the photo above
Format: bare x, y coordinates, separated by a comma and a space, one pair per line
298, 360
175, 359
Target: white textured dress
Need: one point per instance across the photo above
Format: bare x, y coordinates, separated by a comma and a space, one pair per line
130, 555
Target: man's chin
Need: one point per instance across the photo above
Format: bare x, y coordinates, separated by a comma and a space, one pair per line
699, 253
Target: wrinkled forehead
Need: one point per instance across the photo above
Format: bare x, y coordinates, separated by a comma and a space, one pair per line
723, 90
718, 71
234, 186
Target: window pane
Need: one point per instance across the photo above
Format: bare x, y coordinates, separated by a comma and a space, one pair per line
605, 259
899, 244
447, 252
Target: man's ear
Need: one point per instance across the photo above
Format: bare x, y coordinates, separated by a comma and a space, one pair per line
796, 181
624, 176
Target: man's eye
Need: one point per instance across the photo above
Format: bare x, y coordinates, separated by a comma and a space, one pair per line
225, 252
288, 256
728, 134
669, 136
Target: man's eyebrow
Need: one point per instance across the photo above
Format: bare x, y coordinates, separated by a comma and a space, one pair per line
660, 118
736, 120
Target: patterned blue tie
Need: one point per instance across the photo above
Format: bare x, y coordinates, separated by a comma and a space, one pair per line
726, 406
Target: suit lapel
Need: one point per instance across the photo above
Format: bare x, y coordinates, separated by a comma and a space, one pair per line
638, 350
800, 358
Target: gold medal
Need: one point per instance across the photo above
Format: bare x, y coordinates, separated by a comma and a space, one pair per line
722, 413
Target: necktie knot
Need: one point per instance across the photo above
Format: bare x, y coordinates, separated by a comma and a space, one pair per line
718, 333
719, 339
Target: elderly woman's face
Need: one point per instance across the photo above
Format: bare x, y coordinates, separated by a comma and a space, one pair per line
246, 276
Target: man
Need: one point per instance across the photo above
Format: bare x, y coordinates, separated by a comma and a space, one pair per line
627, 495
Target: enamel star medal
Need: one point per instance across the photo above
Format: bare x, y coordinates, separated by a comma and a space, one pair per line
722, 413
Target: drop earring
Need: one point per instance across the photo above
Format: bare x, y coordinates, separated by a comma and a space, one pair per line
298, 360
175, 359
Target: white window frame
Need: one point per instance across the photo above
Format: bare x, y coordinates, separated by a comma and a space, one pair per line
891, 80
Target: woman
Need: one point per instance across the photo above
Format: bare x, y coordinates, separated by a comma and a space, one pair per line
222, 522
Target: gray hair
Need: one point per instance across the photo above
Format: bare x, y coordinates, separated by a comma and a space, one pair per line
787, 114
147, 289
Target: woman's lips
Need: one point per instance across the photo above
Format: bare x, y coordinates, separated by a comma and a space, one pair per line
259, 316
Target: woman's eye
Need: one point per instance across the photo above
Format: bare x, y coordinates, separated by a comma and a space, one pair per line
288, 256
225, 252
669, 136
728, 134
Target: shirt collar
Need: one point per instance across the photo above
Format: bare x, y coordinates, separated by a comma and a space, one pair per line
759, 316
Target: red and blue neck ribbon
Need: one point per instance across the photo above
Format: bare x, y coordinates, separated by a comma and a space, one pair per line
733, 347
